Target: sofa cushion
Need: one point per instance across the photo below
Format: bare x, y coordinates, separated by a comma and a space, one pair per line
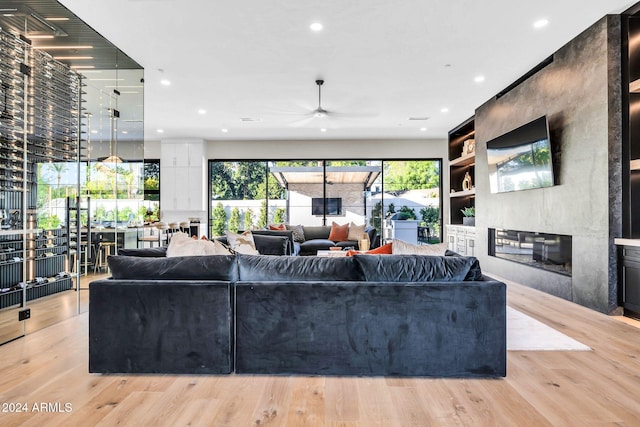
291, 269
216, 267
242, 243
272, 245
316, 232
348, 243
356, 232
183, 245
315, 245
400, 247
280, 226
384, 249
339, 233
144, 252
298, 232
418, 268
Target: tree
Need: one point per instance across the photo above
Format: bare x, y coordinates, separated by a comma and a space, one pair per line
218, 220
234, 220
220, 181
376, 217
263, 217
406, 175
280, 216
58, 168
391, 209
406, 212
248, 219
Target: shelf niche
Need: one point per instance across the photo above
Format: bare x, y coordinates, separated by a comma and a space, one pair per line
462, 160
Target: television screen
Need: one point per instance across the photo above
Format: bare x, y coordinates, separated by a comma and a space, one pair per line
334, 206
521, 159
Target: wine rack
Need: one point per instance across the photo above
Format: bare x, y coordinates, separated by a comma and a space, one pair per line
40, 103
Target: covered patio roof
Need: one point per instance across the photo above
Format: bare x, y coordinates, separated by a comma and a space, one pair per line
365, 175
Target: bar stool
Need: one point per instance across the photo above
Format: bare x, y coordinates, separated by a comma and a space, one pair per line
151, 238
173, 227
103, 252
163, 229
184, 227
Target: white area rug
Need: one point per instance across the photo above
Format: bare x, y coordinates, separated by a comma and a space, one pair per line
526, 333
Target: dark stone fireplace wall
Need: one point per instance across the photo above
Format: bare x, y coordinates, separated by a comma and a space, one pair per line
580, 93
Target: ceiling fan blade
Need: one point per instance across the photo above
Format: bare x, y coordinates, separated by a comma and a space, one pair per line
361, 115
303, 122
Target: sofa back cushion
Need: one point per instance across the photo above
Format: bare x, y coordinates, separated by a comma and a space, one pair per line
316, 232
144, 252
418, 268
291, 269
211, 267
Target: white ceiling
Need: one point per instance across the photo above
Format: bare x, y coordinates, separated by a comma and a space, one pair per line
383, 61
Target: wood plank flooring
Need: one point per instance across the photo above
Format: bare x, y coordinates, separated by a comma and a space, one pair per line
552, 388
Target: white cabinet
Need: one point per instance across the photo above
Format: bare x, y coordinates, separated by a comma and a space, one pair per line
182, 176
461, 239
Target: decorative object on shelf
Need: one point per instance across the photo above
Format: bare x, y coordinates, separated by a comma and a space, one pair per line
468, 147
466, 182
469, 216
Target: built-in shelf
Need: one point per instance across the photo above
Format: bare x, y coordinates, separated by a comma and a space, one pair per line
467, 160
463, 193
462, 161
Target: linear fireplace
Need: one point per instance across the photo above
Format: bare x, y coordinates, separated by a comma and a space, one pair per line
550, 252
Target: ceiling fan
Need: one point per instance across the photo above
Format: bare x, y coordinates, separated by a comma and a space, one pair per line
320, 112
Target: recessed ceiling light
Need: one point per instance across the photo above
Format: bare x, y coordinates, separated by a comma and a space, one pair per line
40, 36
316, 26
94, 131
540, 23
323, 130
444, 110
478, 79
423, 129
165, 82
202, 111
125, 132
56, 19
224, 130
79, 67
160, 131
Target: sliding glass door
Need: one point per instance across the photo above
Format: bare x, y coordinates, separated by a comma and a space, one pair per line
255, 193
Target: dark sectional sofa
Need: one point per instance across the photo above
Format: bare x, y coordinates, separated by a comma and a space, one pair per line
283, 242
378, 315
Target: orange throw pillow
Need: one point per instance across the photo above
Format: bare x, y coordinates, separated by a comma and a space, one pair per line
381, 250
339, 233
384, 249
277, 227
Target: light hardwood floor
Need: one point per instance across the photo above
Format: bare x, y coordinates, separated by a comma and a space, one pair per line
553, 388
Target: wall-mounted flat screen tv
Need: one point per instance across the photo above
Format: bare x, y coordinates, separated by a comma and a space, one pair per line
334, 206
521, 158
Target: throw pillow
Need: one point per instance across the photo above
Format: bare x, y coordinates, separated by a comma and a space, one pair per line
182, 245
339, 233
242, 243
401, 247
355, 232
298, 232
381, 250
277, 227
